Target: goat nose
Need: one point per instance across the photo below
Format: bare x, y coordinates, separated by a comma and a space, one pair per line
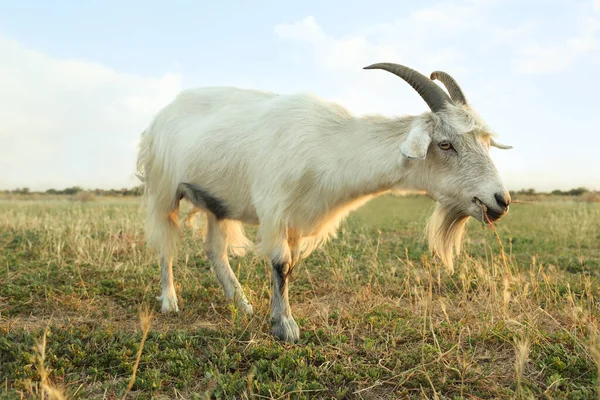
502, 200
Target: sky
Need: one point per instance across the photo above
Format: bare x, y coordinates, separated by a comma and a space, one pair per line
79, 81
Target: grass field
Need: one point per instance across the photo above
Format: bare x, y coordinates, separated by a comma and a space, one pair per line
378, 318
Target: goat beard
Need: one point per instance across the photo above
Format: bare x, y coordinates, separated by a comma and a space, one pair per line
445, 231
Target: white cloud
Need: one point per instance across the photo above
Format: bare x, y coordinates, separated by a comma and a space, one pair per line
537, 59
561, 55
427, 36
334, 53
344, 57
72, 122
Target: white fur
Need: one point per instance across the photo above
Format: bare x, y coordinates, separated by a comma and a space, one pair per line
296, 165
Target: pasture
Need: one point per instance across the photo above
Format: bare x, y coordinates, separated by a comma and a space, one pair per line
379, 318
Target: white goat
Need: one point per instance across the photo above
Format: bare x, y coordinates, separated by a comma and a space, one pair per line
297, 165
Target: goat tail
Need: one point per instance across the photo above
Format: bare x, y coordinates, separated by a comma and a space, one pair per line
144, 156
159, 196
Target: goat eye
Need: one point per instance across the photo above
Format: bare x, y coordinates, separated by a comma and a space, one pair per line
445, 145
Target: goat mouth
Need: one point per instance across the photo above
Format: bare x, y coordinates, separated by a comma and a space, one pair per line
487, 212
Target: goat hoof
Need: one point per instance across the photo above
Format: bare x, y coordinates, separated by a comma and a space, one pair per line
169, 304
243, 305
247, 309
285, 329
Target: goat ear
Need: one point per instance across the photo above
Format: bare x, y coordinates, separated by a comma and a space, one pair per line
500, 145
416, 144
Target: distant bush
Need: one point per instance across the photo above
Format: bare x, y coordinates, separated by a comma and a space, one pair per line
69, 191
21, 191
72, 190
135, 191
573, 192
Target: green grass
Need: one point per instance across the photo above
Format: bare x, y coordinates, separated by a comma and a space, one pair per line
378, 317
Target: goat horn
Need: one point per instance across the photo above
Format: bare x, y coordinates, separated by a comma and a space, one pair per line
433, 95
453, 87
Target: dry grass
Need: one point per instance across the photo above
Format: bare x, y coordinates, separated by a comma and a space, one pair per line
591, 197
379, 318
145, 321
83, 197
46, 389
